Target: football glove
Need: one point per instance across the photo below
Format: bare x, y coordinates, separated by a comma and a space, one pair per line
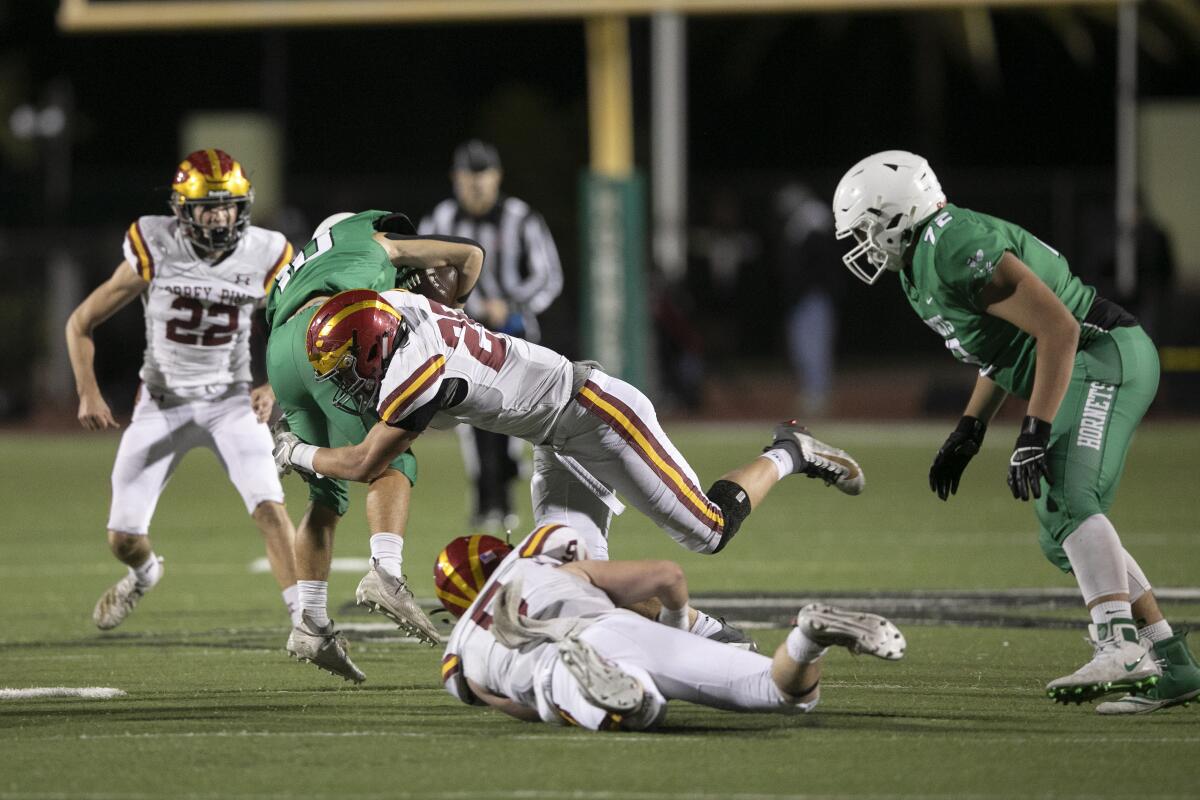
1028, 465
960, 447
285, 442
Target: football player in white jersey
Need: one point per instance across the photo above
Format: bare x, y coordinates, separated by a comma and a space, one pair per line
542, 635
420, 364
200, 273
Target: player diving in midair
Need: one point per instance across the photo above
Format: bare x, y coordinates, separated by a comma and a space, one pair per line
1007, 303
201, 273
417, 364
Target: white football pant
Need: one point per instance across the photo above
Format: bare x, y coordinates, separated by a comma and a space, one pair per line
159, 435
671, 665
612, 430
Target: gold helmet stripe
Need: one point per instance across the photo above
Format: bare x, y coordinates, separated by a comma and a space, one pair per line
452, 599
473, 559
215, 162
443, 564
354, 308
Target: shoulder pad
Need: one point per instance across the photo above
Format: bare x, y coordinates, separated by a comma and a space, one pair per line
553, 543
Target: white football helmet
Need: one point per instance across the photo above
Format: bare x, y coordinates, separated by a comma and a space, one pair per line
330, 221
879, 201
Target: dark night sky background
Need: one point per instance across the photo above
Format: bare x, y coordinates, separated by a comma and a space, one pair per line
370, 116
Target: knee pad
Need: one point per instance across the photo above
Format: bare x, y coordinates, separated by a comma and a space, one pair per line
735, 507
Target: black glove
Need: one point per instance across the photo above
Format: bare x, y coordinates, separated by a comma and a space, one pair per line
1028, 466
956, 453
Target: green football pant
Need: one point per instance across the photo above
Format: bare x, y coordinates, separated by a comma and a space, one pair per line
310, 411
1113, 383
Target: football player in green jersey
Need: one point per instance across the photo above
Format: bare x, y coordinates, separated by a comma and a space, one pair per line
1007, 303
381, 251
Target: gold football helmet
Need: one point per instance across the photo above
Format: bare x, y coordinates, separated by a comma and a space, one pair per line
208, 180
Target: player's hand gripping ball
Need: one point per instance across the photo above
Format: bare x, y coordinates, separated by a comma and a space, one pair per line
438, 283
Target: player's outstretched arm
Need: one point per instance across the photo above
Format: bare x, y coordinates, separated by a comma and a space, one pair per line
631, 582
363, 462
433, 252
106, 300
510, 707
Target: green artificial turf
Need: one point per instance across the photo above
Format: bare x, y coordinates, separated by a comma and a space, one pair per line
214, 709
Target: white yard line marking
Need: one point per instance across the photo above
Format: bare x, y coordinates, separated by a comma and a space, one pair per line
86, 692
259, 565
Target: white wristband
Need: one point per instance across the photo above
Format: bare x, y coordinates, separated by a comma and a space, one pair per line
675, 617
302, 458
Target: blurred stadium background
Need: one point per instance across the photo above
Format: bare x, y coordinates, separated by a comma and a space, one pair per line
662, 141
338, 106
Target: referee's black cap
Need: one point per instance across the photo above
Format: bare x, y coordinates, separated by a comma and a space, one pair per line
476, 155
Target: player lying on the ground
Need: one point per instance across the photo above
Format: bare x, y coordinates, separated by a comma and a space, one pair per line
1007, 303
420, 364
380, 250
200, 274
546, 639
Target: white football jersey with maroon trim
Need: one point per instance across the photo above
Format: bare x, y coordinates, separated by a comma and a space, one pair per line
198, 314
546, 593
513, 387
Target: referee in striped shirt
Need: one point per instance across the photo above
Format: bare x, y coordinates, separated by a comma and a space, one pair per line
521, 278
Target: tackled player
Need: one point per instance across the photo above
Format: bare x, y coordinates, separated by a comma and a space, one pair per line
380, 250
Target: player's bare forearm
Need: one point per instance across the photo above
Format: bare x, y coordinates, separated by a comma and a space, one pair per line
1018, 296
513, 709
104, 301
433, 252
986, 400
631, 582
366, 461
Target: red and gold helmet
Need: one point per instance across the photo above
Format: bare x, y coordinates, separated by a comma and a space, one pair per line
463, 567
350, 341
209, 179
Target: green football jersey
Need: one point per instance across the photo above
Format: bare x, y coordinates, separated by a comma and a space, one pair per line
344, 257
953, 259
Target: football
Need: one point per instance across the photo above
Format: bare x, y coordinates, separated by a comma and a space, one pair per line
438, 283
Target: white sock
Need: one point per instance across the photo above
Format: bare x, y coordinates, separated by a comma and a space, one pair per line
388, 550
1109, 610
314, 601
149, 573
1139, 584
675, 617
1157, 632
705, 625
801, 649
291, 599
782, 459
1097, 558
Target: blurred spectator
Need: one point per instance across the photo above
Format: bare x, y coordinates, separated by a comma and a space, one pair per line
1155, 276
721, 251
680, 345
811, 285
521, 277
